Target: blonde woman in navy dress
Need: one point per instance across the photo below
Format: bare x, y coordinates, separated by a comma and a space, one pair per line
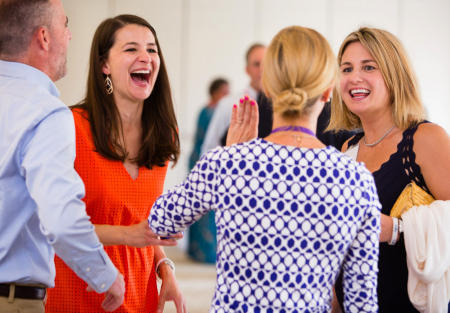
377, 93
290, 212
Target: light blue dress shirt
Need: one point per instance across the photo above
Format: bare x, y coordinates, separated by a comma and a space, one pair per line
40, 192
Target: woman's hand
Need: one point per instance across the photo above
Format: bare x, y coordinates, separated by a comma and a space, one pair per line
140, 235
386, 228
170, 290
244, 122
137, 235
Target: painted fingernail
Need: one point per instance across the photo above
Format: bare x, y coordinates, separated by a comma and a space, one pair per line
241, 100
235, 106
252, 103
246, 97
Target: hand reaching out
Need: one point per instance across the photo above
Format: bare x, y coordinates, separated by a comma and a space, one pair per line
244, 122
140, 235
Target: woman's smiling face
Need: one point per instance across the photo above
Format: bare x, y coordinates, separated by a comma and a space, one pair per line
362, 85
133, 63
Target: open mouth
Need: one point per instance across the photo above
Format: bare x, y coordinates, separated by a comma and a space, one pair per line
359, 93
141, 76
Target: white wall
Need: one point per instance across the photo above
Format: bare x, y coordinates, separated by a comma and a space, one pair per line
202, 39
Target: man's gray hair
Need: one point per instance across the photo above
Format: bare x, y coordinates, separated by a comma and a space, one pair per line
19, 19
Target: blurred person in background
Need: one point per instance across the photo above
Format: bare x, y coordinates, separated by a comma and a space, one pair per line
202, 242
220, 120
218, 89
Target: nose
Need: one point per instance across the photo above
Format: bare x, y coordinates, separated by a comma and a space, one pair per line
144, 56
355, 76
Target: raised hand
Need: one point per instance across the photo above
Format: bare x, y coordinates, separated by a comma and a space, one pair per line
244, 122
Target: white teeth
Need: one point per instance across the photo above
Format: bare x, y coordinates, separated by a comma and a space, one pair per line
359, 91
142, 72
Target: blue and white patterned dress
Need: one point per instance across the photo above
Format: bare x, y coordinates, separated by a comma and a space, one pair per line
287, 219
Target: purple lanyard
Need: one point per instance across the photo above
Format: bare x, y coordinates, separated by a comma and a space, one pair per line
293, 128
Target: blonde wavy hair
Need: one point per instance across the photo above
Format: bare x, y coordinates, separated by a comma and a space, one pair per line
398, 75
298, 67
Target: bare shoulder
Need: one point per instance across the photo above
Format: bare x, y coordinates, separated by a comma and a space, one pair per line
431, 145
432, 150
430, 137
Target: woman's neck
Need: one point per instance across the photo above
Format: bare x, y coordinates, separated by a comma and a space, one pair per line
294, 137
309, 123
376, 126
130, 114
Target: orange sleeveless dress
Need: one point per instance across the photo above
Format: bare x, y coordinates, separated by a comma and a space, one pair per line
114, 198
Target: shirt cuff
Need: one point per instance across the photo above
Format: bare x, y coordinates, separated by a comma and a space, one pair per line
99, 272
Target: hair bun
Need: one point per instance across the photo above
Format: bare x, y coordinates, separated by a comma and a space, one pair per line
291, 99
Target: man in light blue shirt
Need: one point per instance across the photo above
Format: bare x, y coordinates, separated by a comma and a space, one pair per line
40, 193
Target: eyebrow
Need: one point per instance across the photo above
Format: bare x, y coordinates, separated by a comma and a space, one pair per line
136, 44
363, 62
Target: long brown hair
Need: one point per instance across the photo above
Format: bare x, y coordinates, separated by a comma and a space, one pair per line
160, 141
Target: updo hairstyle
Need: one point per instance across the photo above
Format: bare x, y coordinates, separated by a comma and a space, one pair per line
298, 67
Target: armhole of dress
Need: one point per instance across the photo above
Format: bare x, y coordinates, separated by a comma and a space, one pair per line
412, 169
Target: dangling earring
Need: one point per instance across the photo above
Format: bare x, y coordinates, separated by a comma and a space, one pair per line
108, 85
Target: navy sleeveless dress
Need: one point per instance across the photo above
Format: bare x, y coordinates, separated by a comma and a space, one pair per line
390, 179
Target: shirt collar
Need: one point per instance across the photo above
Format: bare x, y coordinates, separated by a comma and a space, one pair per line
26, 72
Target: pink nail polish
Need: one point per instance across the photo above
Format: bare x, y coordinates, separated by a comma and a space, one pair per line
246, 98
235, 106
241, 100
253, 103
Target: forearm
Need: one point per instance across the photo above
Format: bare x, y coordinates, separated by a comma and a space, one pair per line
386, 228
47, 159
111, 235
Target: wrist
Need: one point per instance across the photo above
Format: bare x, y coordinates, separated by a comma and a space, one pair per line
397, 228
124, 234
163, 267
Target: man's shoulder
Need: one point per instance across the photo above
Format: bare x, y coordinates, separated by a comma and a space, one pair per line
28, 103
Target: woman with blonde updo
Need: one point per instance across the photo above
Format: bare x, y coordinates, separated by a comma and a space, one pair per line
290, 212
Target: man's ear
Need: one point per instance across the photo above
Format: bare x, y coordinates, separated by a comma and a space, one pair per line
42, 37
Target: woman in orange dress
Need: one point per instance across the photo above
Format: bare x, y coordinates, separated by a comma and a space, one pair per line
126, 134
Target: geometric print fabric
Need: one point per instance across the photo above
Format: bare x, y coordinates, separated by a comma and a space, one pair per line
287, 220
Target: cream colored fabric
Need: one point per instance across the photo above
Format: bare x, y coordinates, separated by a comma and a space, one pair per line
352, 151
427, 243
